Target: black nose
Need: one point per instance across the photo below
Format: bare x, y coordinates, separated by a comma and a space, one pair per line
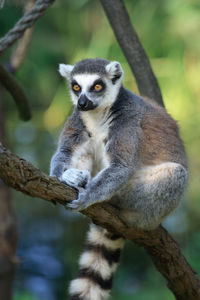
83, 102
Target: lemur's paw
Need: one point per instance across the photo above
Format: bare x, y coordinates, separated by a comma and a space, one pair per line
75, 177
80, 203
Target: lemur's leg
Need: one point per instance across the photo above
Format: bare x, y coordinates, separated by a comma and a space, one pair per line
152, 194
97, 265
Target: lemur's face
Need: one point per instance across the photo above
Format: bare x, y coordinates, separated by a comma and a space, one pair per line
90, 89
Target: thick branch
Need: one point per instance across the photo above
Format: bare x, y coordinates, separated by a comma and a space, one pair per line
165, 252
132, 48
25, 22
15, 89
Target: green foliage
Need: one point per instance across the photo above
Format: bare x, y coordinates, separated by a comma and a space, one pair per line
70, 31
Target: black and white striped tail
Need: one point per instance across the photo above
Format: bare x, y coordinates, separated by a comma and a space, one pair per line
97, 265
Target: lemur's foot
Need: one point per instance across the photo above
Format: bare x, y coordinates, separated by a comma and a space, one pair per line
75, 177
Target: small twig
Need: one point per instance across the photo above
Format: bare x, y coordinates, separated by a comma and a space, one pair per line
19, 53
15, 89
25, 22
132, 48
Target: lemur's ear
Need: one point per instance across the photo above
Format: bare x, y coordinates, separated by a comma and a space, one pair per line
114, 71
65, 70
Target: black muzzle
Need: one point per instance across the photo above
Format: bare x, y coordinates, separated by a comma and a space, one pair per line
85, 104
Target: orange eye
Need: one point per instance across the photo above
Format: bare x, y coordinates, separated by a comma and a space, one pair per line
98, 87
76, 87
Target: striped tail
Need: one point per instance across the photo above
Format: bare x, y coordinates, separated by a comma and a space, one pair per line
97, 265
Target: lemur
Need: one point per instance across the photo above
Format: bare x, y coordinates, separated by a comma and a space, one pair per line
120, 148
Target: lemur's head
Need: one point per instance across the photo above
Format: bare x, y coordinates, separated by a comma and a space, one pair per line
93, 82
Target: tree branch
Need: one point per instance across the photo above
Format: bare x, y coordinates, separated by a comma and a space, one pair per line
164, 251
132, 48
15, 89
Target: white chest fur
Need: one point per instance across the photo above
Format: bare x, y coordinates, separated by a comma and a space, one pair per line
97, 124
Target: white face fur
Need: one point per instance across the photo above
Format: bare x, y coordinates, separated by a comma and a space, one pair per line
87, 84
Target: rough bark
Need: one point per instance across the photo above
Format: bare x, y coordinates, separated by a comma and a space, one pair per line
132, 48
164, 251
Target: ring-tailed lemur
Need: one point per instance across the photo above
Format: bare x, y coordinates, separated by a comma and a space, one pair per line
120, 148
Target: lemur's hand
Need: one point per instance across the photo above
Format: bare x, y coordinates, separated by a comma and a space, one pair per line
80, 203
75, 177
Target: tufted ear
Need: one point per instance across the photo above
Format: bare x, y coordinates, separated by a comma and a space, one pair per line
65, 70
114, 71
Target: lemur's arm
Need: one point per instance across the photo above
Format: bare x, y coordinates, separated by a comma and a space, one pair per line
59, 162
123, 152
71, 136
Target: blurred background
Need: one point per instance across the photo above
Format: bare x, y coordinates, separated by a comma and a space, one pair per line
51, 238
